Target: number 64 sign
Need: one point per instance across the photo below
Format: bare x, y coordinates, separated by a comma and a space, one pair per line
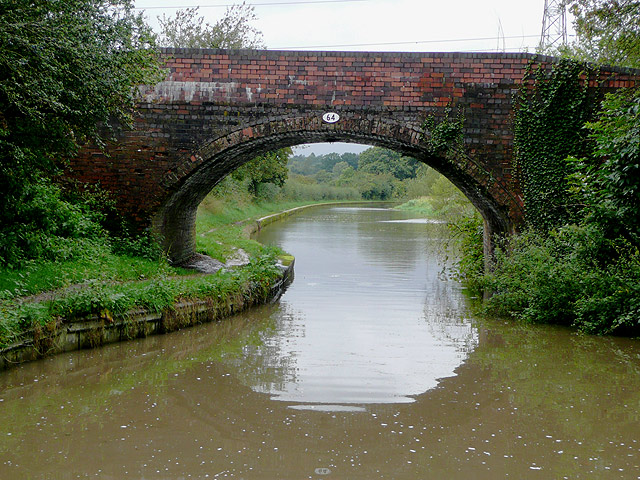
330, 117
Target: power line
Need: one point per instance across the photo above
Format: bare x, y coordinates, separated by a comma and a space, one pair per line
308, 2
265, 4
381, 44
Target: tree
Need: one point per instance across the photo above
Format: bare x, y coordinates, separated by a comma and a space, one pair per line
67, 70
380, 161
339, 167
609, 181
189, 30
329, 160
607, 31
375, 186
268, 168
350, 158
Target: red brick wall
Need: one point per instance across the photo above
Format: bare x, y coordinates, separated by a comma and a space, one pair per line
352, 79
219, 108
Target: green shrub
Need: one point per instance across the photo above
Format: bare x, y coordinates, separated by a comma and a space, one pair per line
143, 245
530, 282
573, 276
47, 226
468, 233
420, 206
300, 189
267, 191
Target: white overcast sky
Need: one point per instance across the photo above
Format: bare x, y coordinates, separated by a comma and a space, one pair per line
381, 25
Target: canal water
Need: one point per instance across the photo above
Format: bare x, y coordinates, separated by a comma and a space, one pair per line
371, 366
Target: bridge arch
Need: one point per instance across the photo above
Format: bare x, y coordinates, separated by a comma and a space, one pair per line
217, 109
201, 169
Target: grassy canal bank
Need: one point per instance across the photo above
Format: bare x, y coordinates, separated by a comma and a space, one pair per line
101, 297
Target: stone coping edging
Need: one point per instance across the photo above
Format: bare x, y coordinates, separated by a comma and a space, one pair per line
256, 225
94, 331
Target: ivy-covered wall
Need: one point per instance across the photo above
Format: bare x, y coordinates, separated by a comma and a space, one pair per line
551, 108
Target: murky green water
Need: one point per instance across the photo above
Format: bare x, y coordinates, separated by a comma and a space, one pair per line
369, 367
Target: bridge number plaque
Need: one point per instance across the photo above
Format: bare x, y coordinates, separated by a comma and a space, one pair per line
330, 117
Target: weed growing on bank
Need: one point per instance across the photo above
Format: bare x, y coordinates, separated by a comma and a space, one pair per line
574, 276
107, 300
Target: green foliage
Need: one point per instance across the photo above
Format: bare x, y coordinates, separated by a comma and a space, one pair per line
349, 158
607, 32
339, 168
375, 187
467, 232
142, 245
608, 182
586, 273
107, 299
300, 188
376, 173
449, 201
444, 137
528, 282
568, 277
422, 184
106, 284
380, 161
189, 30
551, 109
268, 168
421, 206
66, 68
47, 226
441, 200
94, 263
312, 164
577, 266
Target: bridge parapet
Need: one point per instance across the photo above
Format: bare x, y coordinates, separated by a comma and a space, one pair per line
217, 109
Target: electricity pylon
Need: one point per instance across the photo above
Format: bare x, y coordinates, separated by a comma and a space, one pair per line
554, 24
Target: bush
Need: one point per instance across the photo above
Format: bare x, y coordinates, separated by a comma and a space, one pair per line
468, 233
531, 282
267, 191
142, 245
375, 186
574, 276
47, 226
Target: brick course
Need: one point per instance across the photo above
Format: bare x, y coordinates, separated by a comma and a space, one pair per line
217, 109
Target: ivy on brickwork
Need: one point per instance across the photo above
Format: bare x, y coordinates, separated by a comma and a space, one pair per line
444, 136
551, 108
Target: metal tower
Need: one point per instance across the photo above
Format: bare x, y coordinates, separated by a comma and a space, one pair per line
554, 24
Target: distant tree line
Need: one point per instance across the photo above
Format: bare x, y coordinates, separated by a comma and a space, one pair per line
376, 173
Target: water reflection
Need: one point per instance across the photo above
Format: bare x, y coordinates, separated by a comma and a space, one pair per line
356, 323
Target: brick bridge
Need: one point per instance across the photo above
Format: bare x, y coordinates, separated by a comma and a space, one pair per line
217, 109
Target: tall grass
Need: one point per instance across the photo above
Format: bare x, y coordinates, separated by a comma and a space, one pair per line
300, 191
